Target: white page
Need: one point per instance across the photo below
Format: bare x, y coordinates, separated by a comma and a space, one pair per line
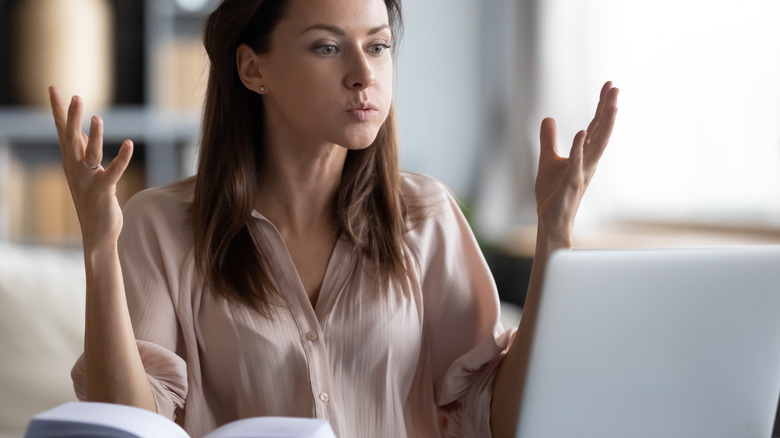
88, 417
274, 427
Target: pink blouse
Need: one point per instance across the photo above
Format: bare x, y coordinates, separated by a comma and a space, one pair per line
407, 364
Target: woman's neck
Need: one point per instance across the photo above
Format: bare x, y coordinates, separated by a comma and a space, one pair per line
298, 186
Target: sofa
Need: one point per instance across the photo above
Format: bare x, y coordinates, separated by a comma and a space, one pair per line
41, 330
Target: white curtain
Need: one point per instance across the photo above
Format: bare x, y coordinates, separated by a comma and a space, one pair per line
698, 132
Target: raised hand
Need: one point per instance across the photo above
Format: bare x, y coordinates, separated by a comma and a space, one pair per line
113, 366
561, 182
92, 187
560, 185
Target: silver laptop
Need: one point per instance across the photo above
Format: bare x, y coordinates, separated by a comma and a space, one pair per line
656, 343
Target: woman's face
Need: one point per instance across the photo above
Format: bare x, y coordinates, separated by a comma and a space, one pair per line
329, 72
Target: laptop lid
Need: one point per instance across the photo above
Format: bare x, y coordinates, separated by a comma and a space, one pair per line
656, 343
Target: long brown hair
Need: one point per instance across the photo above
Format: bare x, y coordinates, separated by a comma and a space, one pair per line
368, 207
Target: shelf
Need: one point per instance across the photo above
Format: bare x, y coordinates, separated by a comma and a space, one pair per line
156, 103
162, 132
139, 124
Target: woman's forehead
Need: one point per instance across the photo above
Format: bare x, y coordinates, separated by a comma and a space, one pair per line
360, 16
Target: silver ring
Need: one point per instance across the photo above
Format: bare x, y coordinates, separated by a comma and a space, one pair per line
90, 167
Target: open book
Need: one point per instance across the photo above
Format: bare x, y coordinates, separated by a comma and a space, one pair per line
90, 419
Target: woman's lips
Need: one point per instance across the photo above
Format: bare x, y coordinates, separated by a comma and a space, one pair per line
362, 114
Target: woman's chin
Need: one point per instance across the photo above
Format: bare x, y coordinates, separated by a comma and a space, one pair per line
358, 143
356, 147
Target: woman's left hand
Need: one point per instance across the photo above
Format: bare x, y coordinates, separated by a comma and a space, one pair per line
560, 185
561, 182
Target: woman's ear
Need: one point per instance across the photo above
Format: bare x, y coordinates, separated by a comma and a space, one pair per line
248, 64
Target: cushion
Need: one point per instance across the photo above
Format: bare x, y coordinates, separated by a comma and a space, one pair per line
42, 294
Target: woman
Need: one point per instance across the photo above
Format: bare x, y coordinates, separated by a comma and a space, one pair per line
300, 273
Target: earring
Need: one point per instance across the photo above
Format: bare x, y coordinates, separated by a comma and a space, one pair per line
262, 88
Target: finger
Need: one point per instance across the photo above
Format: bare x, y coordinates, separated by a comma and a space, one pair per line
547, 138
576, 155
599, 139
58, 110
607, 118
94, 153
72, 136
118, 165
612, 97
605, 89
600, 106
602, 98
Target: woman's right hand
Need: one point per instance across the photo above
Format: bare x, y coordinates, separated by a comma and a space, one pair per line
113, 369
93, 188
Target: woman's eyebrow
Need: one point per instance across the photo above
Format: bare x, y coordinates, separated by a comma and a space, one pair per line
339, 31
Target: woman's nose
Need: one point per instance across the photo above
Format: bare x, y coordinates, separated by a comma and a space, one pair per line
361, 73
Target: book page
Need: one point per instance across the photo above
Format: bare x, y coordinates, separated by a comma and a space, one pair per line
274, 427
103, 419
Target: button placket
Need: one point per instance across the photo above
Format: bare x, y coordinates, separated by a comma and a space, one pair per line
309, 331
318, 368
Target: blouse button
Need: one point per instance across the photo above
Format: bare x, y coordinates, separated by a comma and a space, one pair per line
324, 397
312, 336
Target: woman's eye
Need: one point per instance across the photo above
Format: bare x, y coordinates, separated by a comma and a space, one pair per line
326, 50
379, 48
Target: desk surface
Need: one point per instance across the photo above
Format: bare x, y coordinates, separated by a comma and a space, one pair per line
521, 241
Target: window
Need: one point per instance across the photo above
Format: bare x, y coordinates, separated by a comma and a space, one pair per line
698, 133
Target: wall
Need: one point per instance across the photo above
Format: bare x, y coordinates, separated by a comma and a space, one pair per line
438, 97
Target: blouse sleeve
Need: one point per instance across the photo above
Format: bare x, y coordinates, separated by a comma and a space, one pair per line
466, 341
149, 261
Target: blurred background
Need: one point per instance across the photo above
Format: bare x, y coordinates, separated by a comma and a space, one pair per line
696, 147
694, 159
